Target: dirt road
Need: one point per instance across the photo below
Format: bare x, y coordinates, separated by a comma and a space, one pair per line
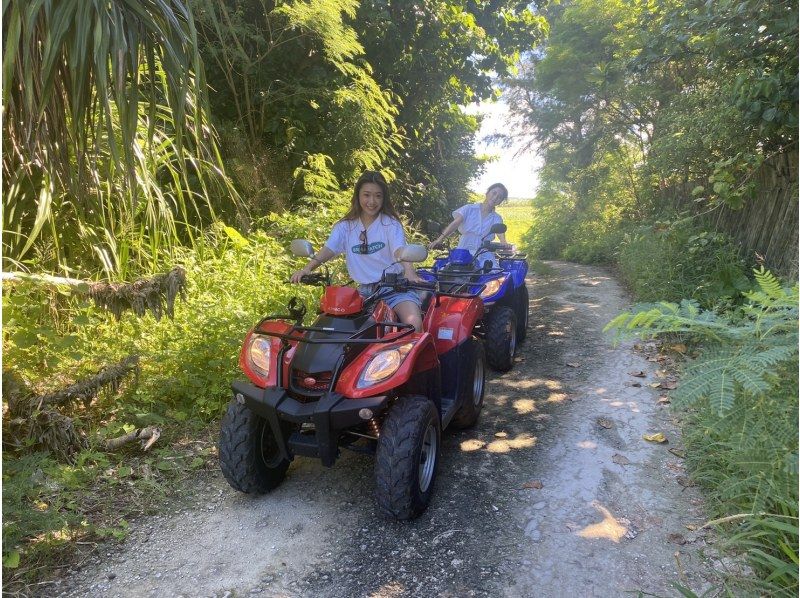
609, 517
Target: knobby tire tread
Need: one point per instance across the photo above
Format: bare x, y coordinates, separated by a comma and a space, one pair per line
498, 352
396, 483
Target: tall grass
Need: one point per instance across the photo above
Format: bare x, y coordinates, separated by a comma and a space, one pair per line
109, 158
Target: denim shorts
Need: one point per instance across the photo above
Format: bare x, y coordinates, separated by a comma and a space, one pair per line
392, 299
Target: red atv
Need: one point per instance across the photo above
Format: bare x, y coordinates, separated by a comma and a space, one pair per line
356, 379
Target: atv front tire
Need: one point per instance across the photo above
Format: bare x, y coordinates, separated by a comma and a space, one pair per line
407, 457
248, 451
523, 312
471, 394
501, 338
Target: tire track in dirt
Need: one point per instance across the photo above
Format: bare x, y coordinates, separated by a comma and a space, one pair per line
595, 528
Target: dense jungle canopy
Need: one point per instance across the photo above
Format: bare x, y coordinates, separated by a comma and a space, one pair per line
130, 126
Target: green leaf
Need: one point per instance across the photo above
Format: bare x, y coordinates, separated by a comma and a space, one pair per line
11, 560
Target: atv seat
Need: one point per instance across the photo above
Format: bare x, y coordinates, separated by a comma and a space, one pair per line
425, 297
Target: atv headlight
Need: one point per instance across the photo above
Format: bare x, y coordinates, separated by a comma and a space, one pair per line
493, 286
383, 365
260, 353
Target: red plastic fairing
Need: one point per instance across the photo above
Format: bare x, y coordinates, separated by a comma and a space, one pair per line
383, 313
452, 322
341, 301
421, 358
275, 343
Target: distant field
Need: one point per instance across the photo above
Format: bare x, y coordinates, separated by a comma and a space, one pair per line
518, 217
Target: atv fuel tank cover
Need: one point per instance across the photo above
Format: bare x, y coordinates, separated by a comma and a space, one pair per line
341, 301
460, 255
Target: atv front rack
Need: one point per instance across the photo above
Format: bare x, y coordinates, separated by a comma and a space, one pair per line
353, 339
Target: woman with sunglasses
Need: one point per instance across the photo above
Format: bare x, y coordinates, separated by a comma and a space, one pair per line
475, 220
369, 236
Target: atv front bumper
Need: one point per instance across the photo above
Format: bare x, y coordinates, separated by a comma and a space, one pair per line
331, 415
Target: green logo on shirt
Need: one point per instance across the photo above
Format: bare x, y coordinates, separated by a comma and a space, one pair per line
371, 248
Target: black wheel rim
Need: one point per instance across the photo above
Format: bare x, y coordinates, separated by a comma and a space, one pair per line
270, 452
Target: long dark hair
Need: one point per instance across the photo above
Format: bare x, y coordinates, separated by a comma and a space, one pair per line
371, 176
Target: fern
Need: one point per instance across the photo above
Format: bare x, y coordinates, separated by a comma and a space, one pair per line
740, 351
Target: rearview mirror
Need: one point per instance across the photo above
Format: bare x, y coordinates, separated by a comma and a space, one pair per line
301, 248
498, 229
412, 253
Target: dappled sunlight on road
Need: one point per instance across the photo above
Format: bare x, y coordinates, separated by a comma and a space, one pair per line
499, 445
557, 397
609, 528
389, 590
587, 444
505, 445
525, 406
634, 407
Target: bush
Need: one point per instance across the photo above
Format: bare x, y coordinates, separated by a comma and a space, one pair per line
673, 259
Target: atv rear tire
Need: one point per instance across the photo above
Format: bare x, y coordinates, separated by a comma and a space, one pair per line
248, 451
407, 457
471, 394
501, 338
523, 312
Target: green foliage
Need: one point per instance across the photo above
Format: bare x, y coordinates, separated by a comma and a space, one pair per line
436, 56
676, 258
109, 156
290, 80
741, 435
187, 365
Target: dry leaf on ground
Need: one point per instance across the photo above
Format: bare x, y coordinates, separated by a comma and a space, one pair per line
605, 423
676, 539
669, 385
664, 400
535, 484
657, 437
680, 453
501, 434
620, 459
685, 482
679, 348
638, 374
573, 364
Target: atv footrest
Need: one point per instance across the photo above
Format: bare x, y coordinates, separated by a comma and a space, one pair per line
304, 444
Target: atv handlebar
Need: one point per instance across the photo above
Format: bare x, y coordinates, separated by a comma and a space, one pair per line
315, 279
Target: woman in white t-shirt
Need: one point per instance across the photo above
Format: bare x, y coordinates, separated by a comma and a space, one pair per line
475, 220
369, 236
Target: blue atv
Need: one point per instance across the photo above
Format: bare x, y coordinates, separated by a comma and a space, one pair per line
501, 286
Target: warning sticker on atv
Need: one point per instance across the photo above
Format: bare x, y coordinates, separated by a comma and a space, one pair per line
445, 334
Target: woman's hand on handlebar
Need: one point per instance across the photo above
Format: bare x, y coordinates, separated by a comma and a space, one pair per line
414, 278
299, 274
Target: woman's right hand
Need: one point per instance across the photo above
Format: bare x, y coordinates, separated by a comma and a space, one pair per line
434, 244
299, 274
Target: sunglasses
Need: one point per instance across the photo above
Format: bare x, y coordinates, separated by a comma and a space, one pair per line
364, 245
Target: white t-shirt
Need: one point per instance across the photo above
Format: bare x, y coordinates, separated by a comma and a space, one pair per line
475, 226
384, 237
